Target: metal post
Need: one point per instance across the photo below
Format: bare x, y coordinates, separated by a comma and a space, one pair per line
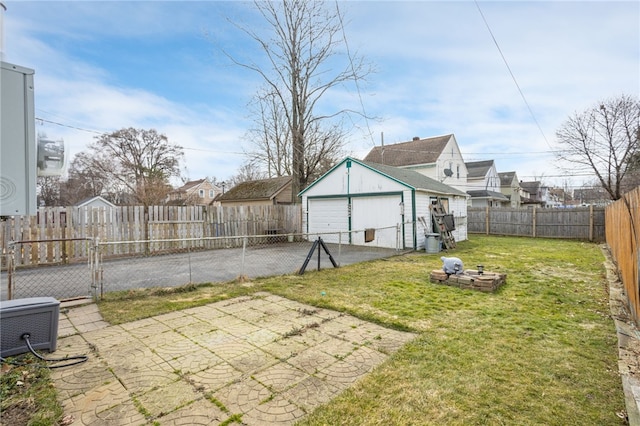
10, 271
95, 270
189, 260
244, 249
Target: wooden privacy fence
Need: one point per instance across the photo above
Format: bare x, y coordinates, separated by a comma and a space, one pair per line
585, 223
59, 234
623, 235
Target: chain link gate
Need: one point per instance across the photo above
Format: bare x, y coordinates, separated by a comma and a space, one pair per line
60, 268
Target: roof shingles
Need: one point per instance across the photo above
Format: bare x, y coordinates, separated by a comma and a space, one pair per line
262, 189
417, 151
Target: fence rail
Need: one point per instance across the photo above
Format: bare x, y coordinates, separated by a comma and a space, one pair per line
59, 233
192, 261
585, 223
623, 236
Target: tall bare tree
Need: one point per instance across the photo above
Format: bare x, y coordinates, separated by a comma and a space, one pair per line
302, 66
139, 161
603, 139
272, 143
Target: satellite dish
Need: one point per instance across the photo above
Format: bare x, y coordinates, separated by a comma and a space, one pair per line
448, 172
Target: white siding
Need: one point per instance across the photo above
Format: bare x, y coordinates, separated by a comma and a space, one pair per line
378, 202
382, 212
328, 217
458, 207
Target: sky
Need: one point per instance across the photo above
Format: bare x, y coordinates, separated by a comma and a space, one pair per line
502, 76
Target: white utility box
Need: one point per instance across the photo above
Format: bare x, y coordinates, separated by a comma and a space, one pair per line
17, 141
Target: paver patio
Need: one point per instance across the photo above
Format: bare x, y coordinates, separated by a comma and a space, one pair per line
265, 358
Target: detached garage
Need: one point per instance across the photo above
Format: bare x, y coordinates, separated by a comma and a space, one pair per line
356, 195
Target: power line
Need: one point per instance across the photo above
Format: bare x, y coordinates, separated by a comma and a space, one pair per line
69, 126
344, 37
512, 75
104, 134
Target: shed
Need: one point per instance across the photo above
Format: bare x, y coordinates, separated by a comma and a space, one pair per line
95, 207
356, 195
262, 192
96, 202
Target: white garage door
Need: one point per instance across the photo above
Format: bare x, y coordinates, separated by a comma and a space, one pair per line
327, 217
382, 212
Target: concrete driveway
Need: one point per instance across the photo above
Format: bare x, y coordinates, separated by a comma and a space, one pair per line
172, 270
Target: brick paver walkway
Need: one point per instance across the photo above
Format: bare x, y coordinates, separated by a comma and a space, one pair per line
265, 358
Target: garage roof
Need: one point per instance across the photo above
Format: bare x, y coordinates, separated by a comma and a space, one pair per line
410, 178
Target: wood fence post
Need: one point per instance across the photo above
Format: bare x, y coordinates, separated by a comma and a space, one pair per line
533, 222
486, 220
590, 222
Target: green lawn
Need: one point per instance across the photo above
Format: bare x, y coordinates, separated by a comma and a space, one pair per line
540, 351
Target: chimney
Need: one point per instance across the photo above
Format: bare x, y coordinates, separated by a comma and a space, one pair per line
416, 138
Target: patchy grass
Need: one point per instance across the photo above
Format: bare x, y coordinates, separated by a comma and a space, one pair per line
27, 396
541, 350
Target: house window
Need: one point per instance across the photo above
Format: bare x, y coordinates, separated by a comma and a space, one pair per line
211, 193
201, 193
458, 171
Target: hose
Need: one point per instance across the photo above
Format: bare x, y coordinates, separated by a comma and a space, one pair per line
77, 359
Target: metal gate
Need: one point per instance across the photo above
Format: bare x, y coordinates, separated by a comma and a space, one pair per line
58, 268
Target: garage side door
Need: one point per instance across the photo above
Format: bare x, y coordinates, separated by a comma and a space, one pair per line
382, 212
327, 216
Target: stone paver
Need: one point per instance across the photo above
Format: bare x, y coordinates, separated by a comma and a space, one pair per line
265, 358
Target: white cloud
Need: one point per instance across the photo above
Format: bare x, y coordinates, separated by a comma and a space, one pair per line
439, 72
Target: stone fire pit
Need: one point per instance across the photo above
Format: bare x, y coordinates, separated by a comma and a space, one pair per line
487, 281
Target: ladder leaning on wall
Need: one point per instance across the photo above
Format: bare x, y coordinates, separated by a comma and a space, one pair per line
438, 212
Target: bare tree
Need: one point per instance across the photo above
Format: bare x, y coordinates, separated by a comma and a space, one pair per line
273, 143
49, 190
633, 170
604, 140
271, 137
247, 171
139, 161
302, 66
84, 180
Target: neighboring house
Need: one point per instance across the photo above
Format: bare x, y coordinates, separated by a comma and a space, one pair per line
596, 196
483, 185
438, 158
539, 195
510, 188
258, 192
356, 195
194, 193
558, 198
95, 209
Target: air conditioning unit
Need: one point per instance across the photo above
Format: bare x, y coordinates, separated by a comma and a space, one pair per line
36, 317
